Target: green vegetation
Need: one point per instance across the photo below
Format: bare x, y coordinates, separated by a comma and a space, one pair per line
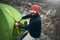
8, 16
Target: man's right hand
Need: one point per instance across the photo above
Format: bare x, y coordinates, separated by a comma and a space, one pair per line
16, 24
18, 20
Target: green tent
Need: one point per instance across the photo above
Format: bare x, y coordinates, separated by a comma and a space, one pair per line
8, 16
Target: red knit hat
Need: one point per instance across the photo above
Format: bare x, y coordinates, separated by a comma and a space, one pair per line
35, 8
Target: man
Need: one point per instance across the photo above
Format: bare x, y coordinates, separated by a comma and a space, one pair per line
34, 27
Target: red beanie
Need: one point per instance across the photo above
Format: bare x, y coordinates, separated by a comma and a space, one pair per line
35, 8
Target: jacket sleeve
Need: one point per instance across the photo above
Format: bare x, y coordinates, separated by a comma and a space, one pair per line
27, 16
28, 27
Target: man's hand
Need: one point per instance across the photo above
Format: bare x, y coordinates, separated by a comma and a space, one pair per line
16, 24
18, 20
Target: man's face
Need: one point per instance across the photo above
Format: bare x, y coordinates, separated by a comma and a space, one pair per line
32, 12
